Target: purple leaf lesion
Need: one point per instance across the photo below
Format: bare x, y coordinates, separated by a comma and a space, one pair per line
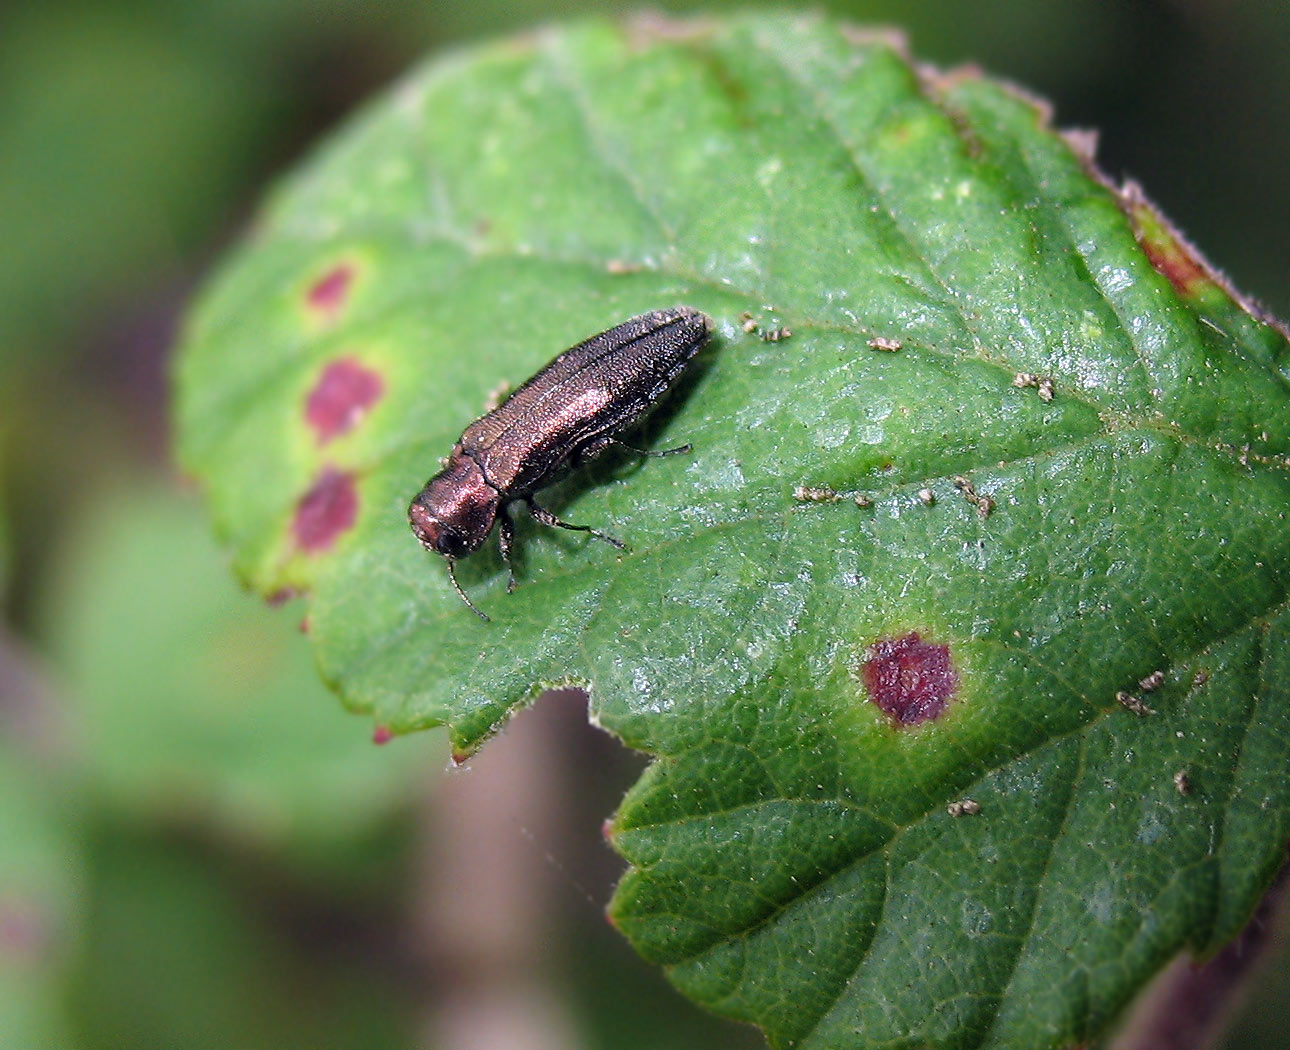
326, 511
910, 679
344, 393
328, 294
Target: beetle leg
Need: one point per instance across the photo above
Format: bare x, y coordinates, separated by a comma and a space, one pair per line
547, 518
679, 450
505, 539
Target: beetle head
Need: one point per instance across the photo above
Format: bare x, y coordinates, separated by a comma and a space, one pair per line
455, 512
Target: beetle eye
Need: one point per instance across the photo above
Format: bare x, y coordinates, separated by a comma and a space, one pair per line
435, 535
426, 528
452, 543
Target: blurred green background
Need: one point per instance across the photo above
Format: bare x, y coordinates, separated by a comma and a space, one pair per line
198, 848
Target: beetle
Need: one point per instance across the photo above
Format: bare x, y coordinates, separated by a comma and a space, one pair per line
566, 414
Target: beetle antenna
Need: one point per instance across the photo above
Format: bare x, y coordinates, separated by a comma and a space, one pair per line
452, 575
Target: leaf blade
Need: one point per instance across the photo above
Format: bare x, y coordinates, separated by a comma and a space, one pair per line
1056, 444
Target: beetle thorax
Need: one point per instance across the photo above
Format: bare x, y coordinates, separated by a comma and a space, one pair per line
456, 510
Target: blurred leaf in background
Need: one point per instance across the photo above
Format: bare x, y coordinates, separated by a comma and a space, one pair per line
190, 948
122, 150
240, 828
1260, 1020
4, 547
192, 704
41, 885
131, 133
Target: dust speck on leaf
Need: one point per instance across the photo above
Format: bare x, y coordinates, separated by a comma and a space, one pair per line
1152, 682
984, 504
910, 680
497, 395
815, 494
1133, 703
329, 508
1044, 384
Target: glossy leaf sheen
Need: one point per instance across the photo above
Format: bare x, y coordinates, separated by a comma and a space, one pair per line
793, 860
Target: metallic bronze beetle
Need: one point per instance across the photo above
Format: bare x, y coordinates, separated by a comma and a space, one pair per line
566, 414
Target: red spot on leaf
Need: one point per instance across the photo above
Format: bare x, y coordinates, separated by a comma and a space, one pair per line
327, 294
1166, 248
382, 735
325, 511
280, 597
341, 398
909, 679
1171, 258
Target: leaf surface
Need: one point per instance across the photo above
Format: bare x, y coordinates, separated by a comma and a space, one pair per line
1048, 449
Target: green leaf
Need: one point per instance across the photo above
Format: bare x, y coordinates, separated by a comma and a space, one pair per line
187, 703
39, 888
1058, 445
169, 119
178, 952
